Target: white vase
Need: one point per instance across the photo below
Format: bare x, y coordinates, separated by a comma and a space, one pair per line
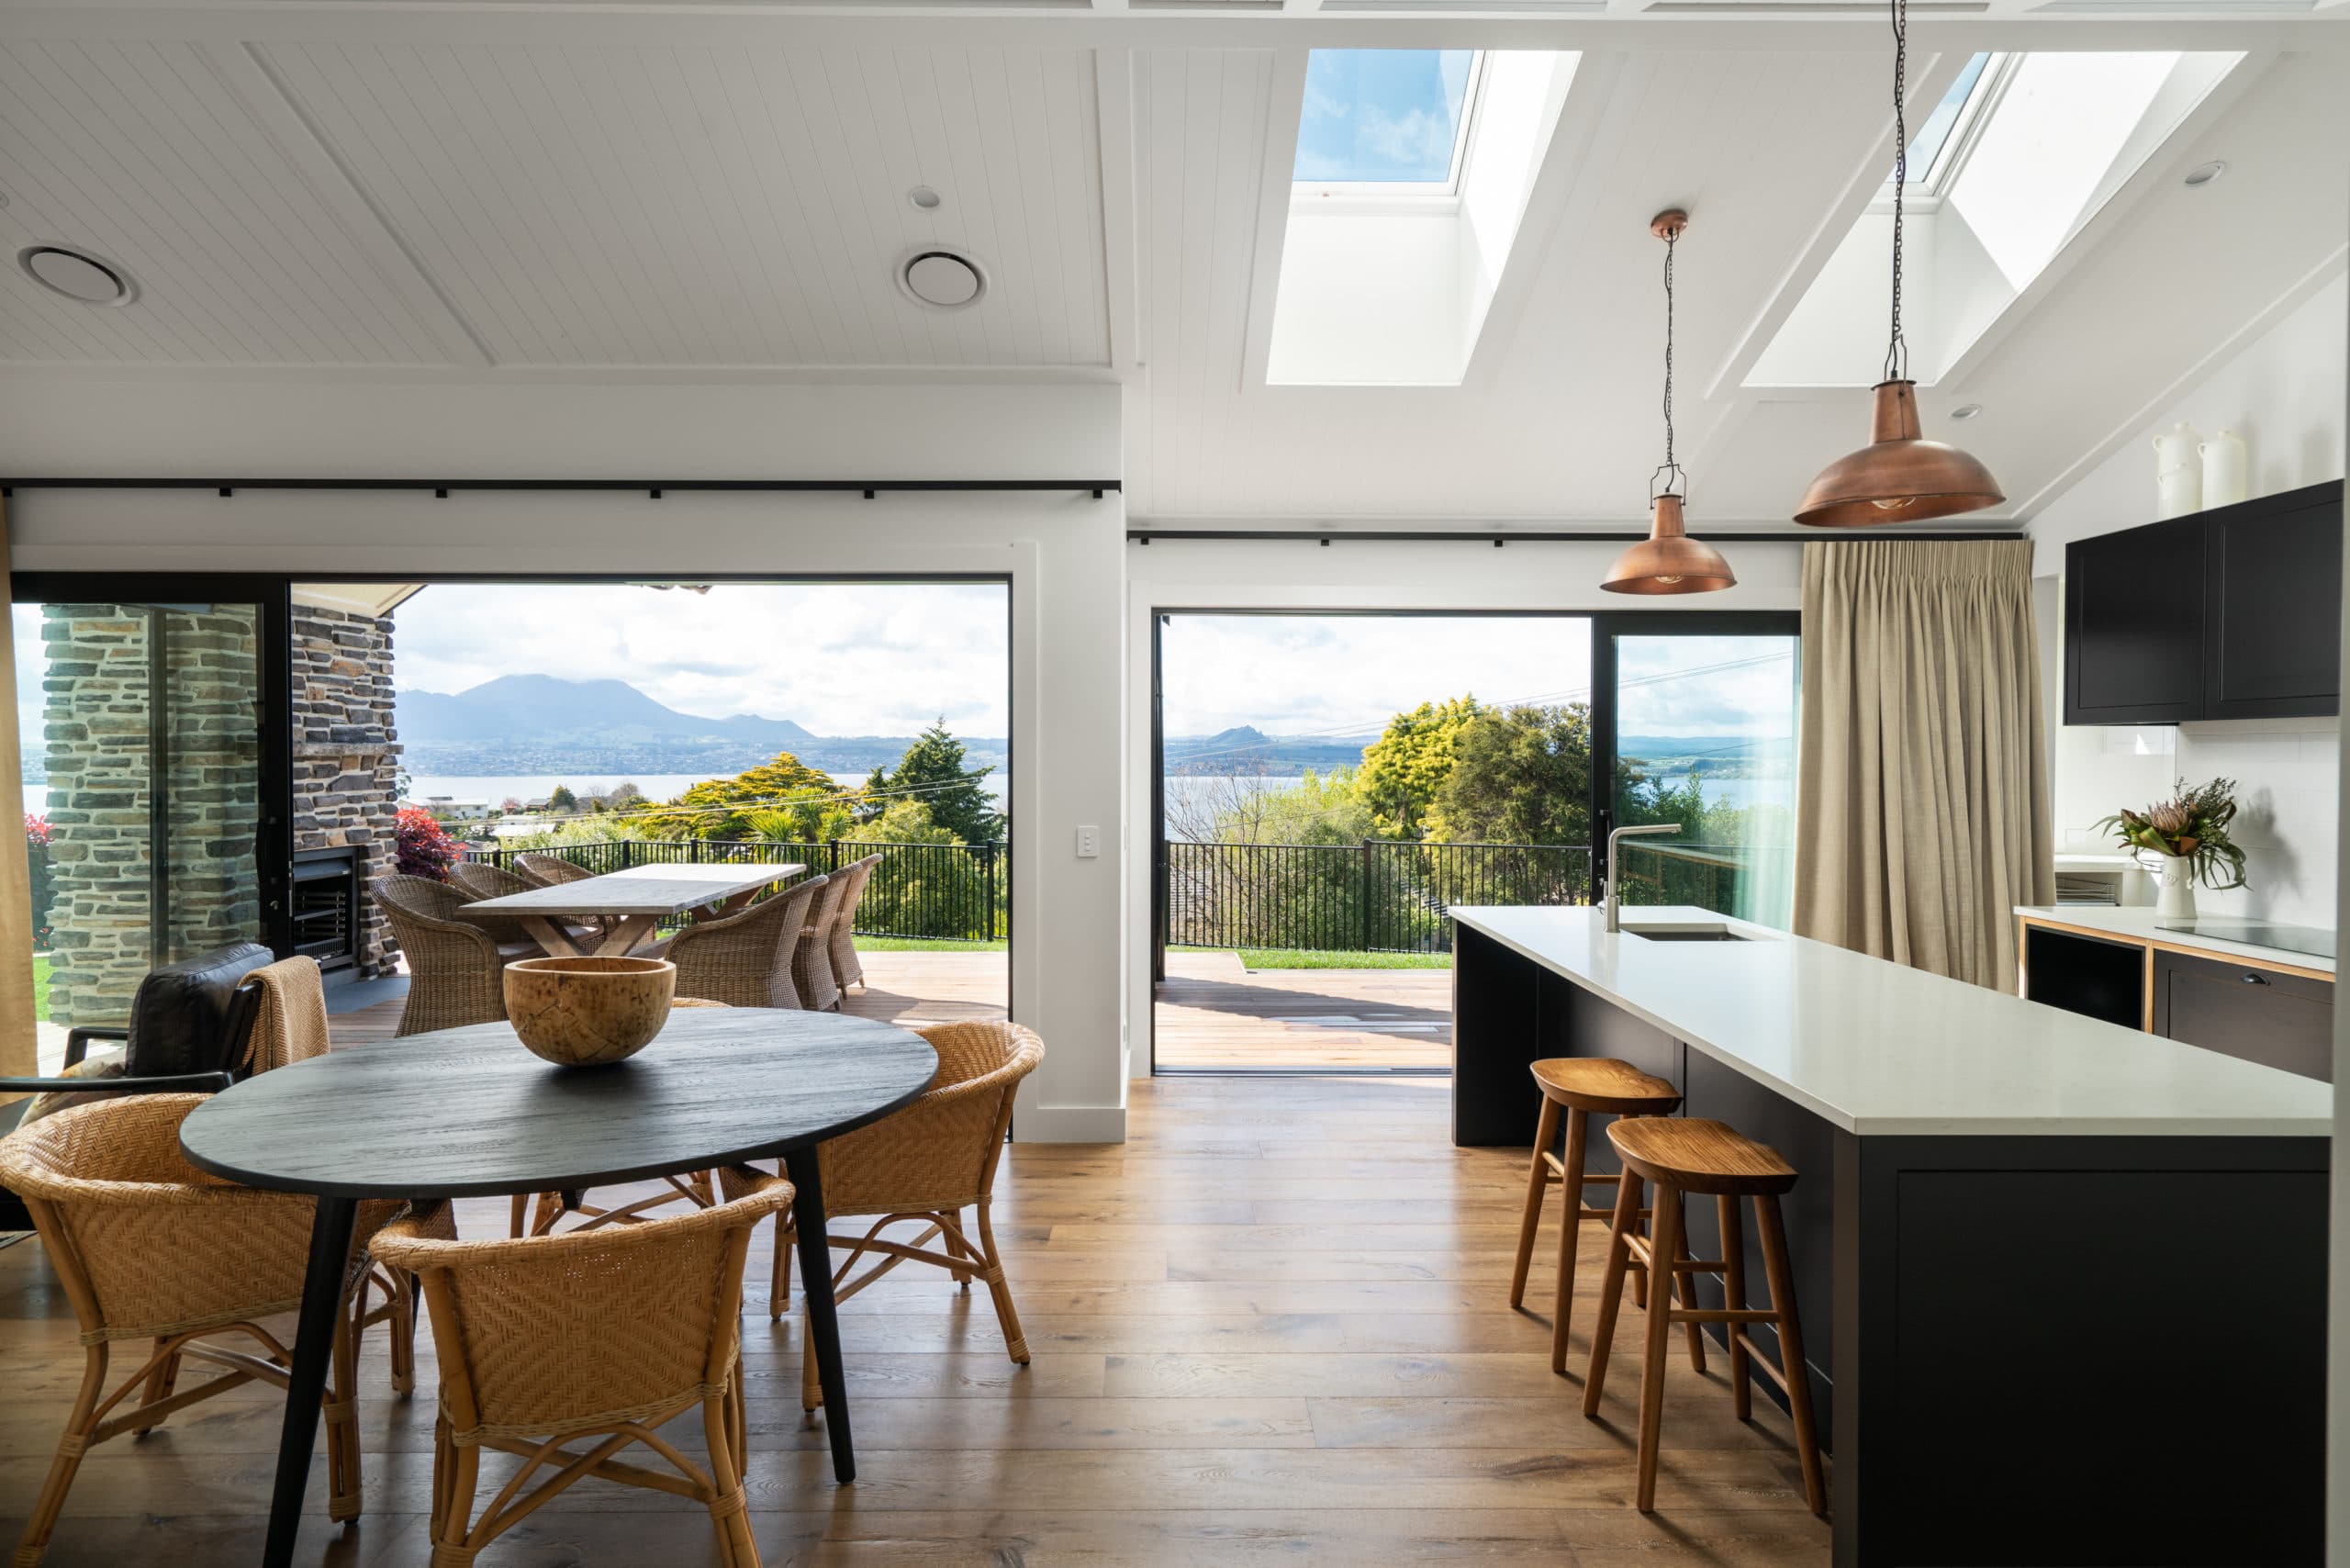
2179, 471
2226, 478
2175, 889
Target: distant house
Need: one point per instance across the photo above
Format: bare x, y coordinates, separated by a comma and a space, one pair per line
451, 810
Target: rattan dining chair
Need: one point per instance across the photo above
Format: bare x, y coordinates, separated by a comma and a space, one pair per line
849, 969
455, 968
147, 1246
602, 1335
745, 959
811, 959
925, 1165
551, 870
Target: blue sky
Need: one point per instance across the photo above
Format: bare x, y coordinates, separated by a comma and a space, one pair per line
1380, 113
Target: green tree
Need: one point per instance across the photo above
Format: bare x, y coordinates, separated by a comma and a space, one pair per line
811, 818
873, 797
1324, 808
563, 799
1519, 775
722, 808
935, 772
1405, 767
928, 884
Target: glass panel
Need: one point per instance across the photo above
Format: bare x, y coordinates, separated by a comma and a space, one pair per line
142, 726
1934, 135
1383, 116
1705, 737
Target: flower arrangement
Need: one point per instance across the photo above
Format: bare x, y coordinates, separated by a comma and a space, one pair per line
2192, 826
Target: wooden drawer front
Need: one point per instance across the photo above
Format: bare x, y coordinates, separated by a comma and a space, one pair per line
2284, 1021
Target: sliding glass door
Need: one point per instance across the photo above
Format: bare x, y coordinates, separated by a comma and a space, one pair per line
1698, 712
154, 778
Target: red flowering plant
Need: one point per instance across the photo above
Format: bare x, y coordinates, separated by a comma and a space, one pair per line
425, 847
36, 829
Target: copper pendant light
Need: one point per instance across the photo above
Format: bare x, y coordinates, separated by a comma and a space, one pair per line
1668, 560
1899, 476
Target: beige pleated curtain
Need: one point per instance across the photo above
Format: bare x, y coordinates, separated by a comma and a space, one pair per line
1922, 813
17, 1047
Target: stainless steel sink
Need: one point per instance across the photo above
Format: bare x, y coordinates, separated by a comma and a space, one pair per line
1684, 934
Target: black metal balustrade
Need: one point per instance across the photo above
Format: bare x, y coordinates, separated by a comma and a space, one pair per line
1378, 896
949, 891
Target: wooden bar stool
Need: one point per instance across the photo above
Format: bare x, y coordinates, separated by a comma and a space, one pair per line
1575, 1087
1689, 1155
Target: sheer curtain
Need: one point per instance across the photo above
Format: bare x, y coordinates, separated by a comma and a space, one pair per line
17, 1047
1922, 813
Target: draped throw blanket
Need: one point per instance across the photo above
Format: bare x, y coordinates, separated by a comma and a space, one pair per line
18, 1051
1922, 813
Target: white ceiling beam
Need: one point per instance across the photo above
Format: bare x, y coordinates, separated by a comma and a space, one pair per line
1229, 26
1113, 93
1284, 108
274, 109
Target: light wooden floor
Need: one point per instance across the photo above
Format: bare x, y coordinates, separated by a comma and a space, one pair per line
1214, 1014
1270, 1329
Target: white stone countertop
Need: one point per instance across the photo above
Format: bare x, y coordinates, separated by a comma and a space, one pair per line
2137, 925
1877, 1047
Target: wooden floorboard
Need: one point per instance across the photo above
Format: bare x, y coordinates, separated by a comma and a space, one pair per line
1212, 1013
1271, 1328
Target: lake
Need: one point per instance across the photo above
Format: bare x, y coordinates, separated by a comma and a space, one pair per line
1196, 790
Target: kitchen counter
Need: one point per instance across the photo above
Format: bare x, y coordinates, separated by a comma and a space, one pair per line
1875, 1048
2007, 1217
2137, 925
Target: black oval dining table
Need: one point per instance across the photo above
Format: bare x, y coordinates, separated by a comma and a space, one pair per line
469, 1112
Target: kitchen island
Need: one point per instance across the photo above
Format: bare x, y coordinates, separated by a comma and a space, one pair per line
2062, 1283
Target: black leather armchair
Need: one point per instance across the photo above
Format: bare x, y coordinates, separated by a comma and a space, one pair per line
186, 1035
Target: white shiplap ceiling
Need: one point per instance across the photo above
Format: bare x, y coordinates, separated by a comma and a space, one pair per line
361, 189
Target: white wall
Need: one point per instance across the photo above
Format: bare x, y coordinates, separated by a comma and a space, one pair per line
1062, 552
2283, 395
1359, 575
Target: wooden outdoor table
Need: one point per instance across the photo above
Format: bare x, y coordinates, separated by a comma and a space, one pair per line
468, 1112
632, 903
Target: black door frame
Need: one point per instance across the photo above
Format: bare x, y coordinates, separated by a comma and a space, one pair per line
1604, 626
273, 846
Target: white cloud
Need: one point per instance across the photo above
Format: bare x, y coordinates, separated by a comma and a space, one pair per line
840, 658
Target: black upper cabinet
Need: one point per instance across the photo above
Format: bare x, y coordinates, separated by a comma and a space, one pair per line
2231, 613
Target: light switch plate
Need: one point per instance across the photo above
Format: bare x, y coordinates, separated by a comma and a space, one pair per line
1089, 843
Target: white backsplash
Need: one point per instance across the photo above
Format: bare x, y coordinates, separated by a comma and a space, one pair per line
2286, 772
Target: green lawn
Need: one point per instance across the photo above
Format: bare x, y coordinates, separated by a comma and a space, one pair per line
1306, 958
40, 987
924, 945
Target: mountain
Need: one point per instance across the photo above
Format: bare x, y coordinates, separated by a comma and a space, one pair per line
1246, 748
545, 725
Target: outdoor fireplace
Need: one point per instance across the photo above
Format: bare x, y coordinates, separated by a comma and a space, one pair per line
328, 915
346, 773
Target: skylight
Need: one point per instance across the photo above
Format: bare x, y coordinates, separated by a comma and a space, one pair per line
1393, 118
1936, 135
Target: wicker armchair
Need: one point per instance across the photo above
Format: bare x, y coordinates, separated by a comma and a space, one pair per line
746, 959
550, 870
457, 971
923, 1165
812, 960
147, 1246
603, 1335
849, 969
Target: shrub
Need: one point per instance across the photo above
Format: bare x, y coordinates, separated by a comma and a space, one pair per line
425, 847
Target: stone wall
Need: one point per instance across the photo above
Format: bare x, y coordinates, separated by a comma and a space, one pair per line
103, 692
346, 753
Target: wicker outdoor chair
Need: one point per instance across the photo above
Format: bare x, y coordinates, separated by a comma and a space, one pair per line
147, 1246
923, 1165
550, 870
849, 969
812, 960
746, 959
456, 970
603, 1335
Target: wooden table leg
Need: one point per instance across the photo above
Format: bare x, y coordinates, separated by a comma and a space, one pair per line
549, 934
816, 1291
623, 935
306, 1380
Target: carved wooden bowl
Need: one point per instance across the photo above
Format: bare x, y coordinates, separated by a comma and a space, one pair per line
589, 1012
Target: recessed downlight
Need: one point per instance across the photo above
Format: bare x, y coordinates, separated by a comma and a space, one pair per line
2204, 174
1966, 410
924, 198
75, 274
943, 280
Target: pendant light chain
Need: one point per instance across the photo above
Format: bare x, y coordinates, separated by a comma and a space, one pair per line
1669, 467
1897, 351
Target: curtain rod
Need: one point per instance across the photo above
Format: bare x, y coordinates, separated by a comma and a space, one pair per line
442, 488
1579, 537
